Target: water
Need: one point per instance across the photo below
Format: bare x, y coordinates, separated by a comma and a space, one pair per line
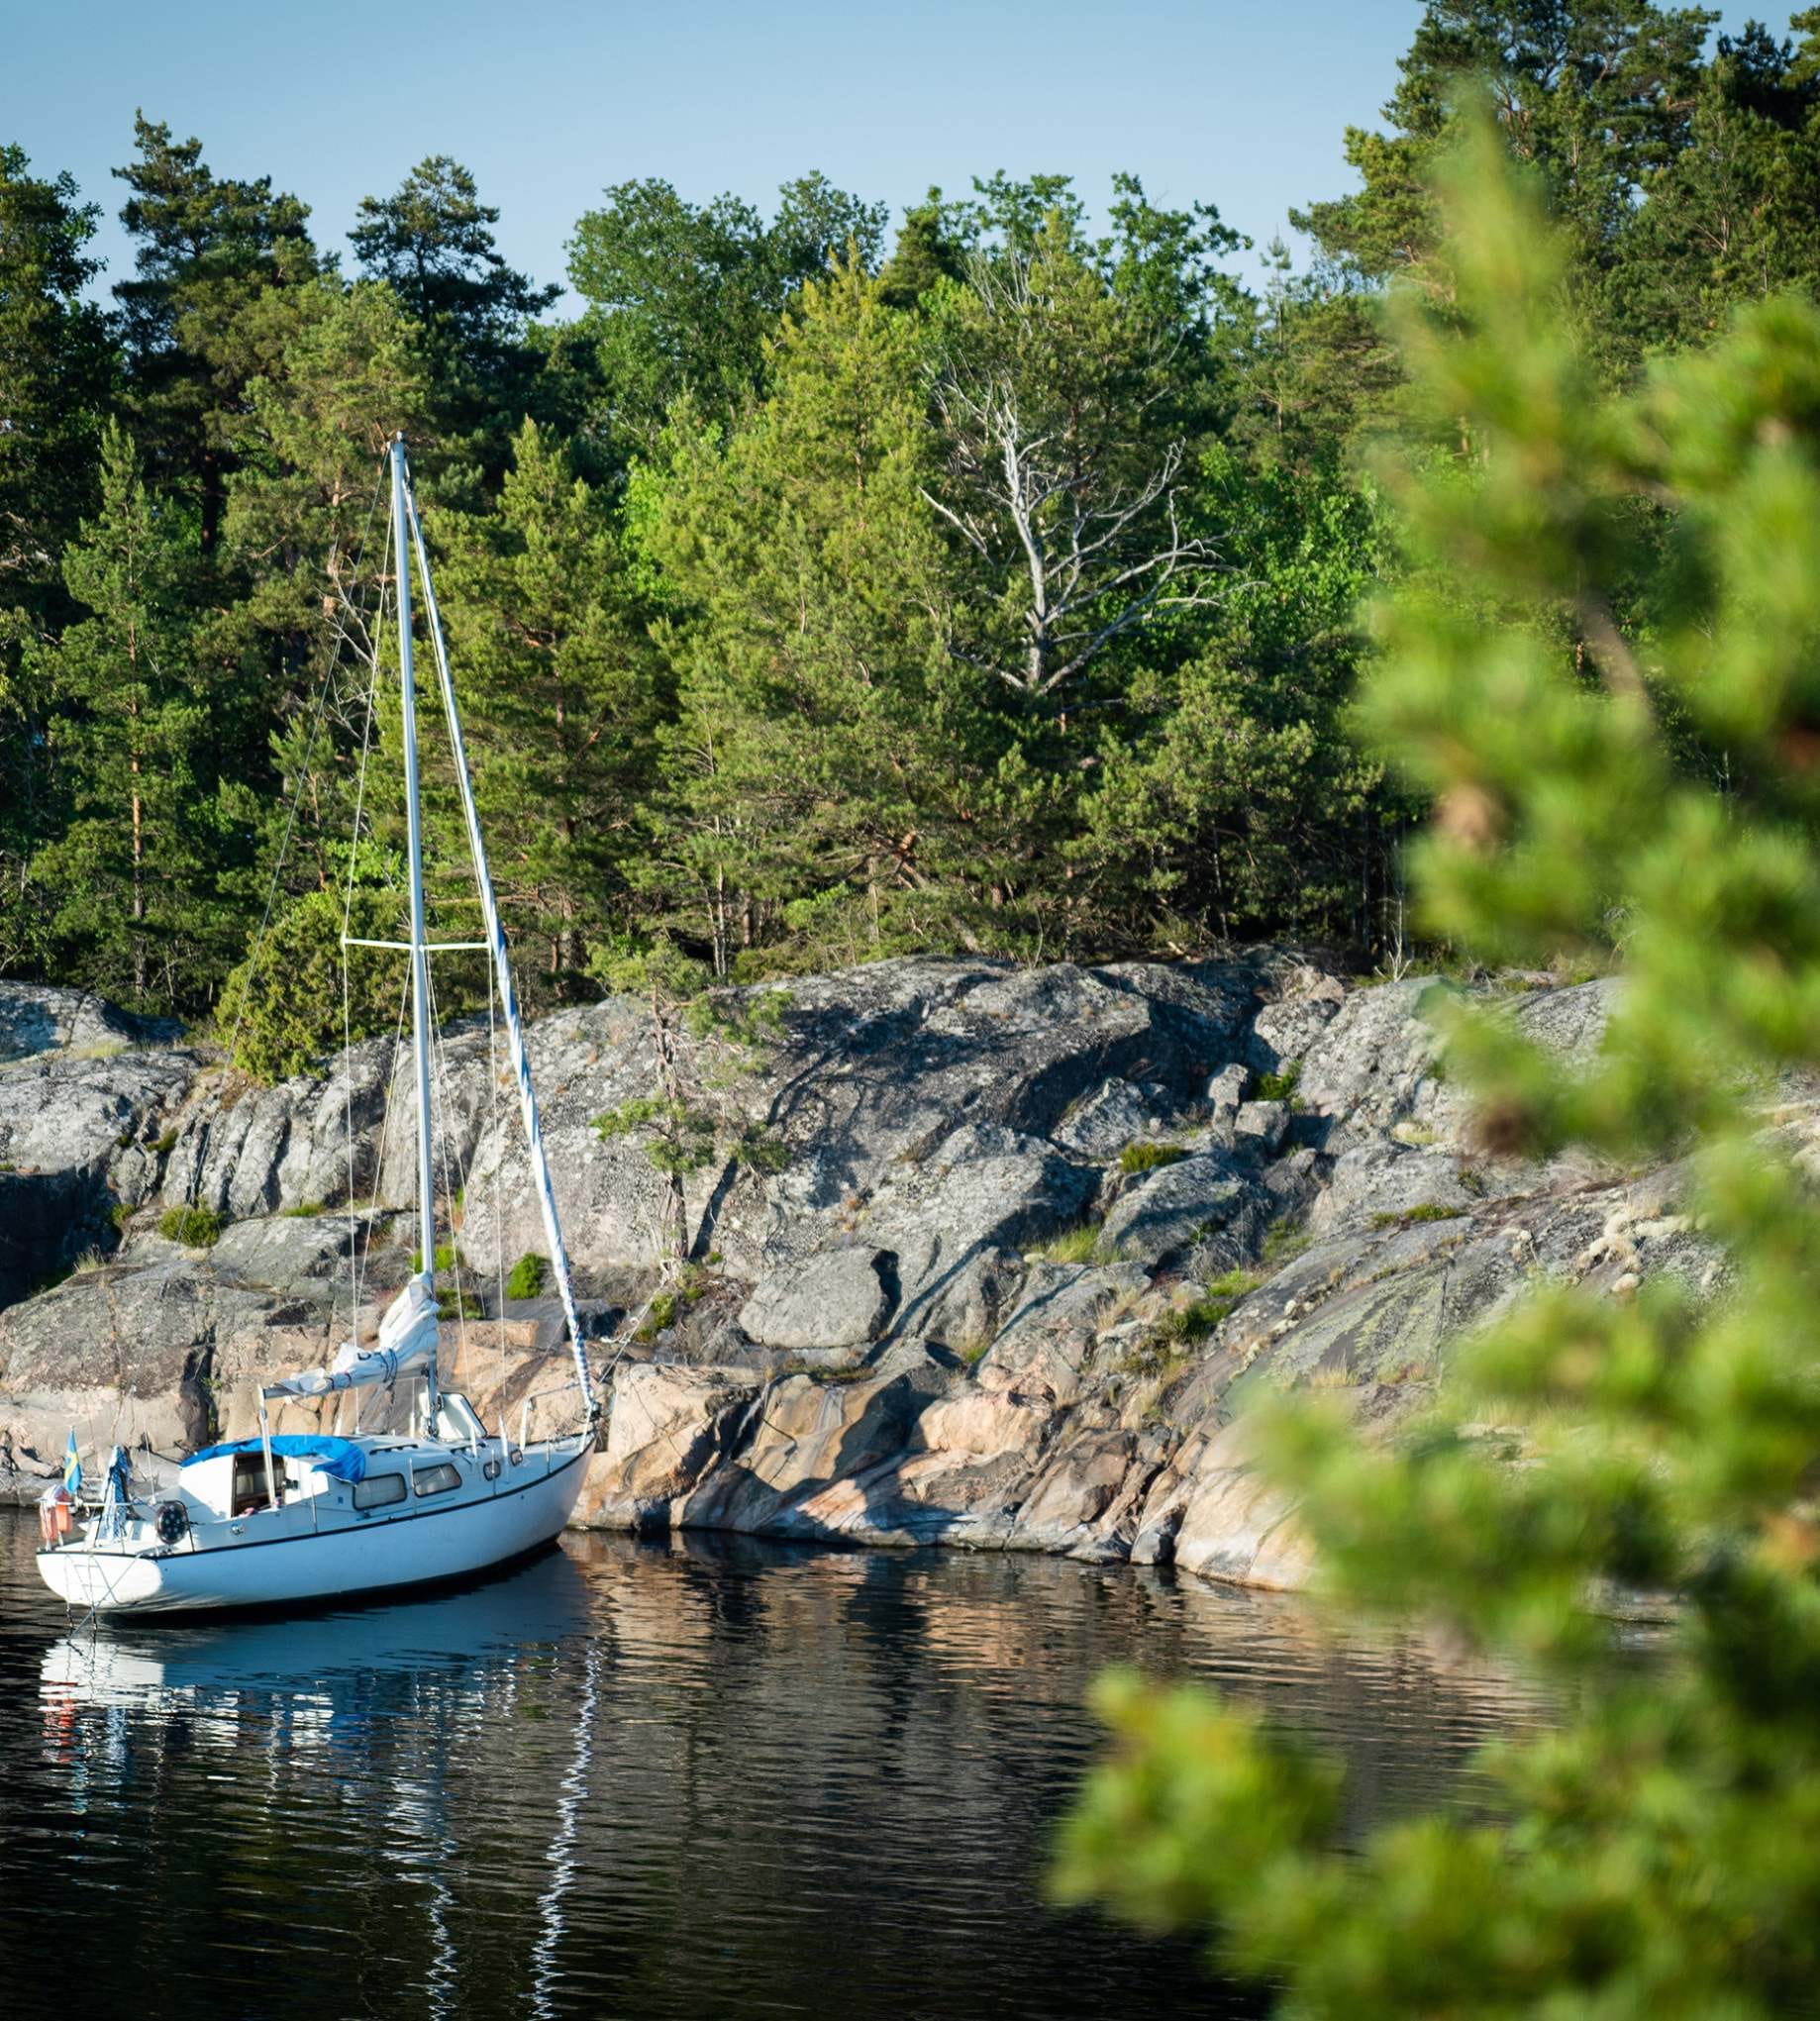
709, 1777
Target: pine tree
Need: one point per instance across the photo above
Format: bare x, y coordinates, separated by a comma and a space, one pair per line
130, 877
1655, 1852
57, 372
57, 379
432, 242
207, 247
830, 777
557, 680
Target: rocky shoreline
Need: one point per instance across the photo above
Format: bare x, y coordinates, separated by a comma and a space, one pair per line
1022, 1245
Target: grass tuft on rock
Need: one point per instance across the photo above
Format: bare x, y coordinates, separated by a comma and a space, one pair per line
1430, 1210
1077, 1244
1279, 1087
1142, 1157
194, 1226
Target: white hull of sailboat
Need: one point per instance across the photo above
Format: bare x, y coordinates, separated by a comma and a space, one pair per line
380, 1555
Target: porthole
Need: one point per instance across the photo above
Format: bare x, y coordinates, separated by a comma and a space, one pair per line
491, 1469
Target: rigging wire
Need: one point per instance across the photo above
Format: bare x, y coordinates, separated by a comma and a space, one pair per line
355, 1245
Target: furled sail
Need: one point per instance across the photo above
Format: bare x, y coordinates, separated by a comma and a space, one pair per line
407, 1341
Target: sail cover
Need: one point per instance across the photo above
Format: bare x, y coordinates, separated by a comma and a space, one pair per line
339, 1457
407, 1341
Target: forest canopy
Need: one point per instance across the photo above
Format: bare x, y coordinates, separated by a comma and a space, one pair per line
830, 585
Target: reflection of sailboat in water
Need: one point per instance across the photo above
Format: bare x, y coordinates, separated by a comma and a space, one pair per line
417, 1707
461, 1640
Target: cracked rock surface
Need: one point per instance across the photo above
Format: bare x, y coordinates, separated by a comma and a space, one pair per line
1030, 1239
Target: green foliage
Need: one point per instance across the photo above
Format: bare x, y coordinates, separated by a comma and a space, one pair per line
305, 1210
559, 694
461, 1304
448, 1258
1654, 1850
1408, 1217
664, 1311
527, 1275
1284, 1243
808, 607
1279, 1087
121, 1214
283, 1010
131, 874
1142, 1155
194, 1226
682, 298
1072, 1246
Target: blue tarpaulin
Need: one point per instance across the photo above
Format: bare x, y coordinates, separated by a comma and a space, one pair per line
340, 1458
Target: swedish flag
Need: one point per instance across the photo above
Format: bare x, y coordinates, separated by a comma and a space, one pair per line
72, 1465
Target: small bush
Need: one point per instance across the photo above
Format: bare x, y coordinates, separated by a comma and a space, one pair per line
305, 1210
527, 1275
120, 1214
1138, 1157
459, 1305
194, 1226
167, 1143
661, 1316
288, 1013
448, 1258
1279, 1087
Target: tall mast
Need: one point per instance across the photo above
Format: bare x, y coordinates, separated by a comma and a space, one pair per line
502, 969
420, 960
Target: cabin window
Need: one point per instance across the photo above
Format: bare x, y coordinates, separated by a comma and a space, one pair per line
437, 1479
251, 1490
377, 1489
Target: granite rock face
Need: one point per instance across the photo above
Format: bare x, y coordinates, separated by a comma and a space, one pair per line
1009, 1280
89, 1101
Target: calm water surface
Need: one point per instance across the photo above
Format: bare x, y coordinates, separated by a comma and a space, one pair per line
703, 1778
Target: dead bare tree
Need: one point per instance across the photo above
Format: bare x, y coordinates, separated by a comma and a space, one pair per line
1051, 487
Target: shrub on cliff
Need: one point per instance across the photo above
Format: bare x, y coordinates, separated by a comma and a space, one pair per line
526, 1276
280, 1010
1606, 672
194, 1226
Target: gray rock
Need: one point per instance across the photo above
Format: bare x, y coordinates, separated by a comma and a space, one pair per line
916, 1380
1387, 1178
1226, 1089
838, 1300
1187, 1205
81, 1131
287, 1251
1109, 1120
40, 1017
1260, 1127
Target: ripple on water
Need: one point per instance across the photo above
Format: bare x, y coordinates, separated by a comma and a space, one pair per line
698, 1778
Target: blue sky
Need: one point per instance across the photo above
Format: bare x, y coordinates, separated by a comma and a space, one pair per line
549, 101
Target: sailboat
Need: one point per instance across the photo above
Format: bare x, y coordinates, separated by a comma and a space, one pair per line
293, 1520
